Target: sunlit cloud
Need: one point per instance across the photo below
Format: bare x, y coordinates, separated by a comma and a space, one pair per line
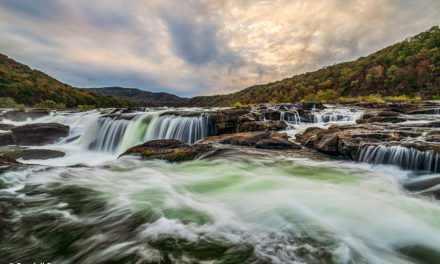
200, 47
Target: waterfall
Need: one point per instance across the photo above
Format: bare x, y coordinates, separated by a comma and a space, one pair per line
109, 134
435, 111
187, 129
290, 117
117, 135
335, 115
406, 158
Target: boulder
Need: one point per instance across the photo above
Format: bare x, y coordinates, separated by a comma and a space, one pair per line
433, 138
426, 185
307, 136
269, 125
243, 120
39, 134
6, 127
435, 124
168, 149
37, 154
242, 139
19, 116
276, 144
346, 140
270, 114
388, 113
432, 111
381, 117
6, 138
7, 161
278, 135
310, 106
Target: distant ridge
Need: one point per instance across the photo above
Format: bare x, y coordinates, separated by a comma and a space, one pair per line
31, 87
143, 98
410, 67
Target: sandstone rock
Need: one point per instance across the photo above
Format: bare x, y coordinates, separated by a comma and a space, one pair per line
18, 116
433, 138
278, 135
346, 140
242, 139
6, 127
276, 144
424, 185
168, 149
310, 106
38, 154
387, 113
6, 138
39, 134
385, 117
307, 137
269, 125
242, 120
432, 111
7, 163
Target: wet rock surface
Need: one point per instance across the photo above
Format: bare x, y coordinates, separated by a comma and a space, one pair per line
241, 139
18, 115
6, 127
260, 140
277, 144
242, 120
168, 149
39, 134
6, 138
7, 163
31, 154
346, 140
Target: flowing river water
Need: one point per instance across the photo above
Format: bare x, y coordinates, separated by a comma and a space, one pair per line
243, 206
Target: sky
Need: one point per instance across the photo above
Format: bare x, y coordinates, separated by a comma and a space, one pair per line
195, 47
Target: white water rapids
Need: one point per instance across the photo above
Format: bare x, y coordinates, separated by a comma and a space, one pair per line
243, 206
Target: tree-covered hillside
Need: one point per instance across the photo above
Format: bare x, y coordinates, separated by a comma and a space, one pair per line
411, 67
32, 87
140, 97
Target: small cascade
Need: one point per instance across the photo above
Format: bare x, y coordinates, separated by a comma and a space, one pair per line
406, 158
434, 111
188, 129
290, 117
335, 115
109, 134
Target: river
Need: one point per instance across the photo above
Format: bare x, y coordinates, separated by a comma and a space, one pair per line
242, 206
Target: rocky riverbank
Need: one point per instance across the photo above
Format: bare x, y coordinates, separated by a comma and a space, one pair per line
402, 134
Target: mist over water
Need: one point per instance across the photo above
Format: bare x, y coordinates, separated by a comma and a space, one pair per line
244, 206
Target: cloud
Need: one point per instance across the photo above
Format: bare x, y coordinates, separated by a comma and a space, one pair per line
201, 47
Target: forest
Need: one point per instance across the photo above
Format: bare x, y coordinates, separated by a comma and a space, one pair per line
31, 87
409, 69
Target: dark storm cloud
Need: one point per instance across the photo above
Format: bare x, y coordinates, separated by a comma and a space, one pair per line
194, 35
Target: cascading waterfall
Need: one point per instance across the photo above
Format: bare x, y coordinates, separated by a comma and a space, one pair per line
336, 115
290, 117
406, 158
115, 135
185, 128
435, 111
109, 134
